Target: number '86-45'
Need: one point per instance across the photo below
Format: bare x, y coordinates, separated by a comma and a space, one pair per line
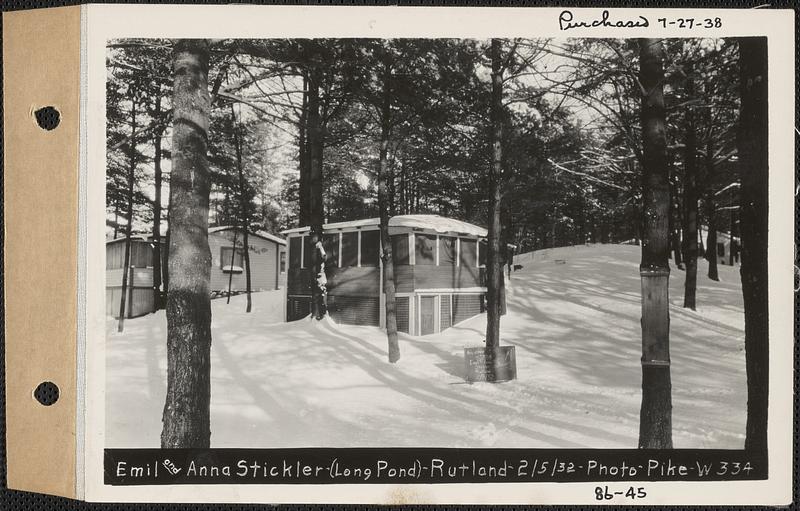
603, 493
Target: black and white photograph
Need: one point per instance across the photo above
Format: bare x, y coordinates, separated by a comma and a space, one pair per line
459, 243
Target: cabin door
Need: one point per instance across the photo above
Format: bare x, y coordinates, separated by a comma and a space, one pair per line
427, 315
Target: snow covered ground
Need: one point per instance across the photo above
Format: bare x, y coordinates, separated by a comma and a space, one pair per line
573, 317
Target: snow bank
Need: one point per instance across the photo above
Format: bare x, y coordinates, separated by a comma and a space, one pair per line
575, 325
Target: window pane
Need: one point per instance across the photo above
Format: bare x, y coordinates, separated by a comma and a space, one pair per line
226, 255
294, 251
468, 253
349, 249
425, 250
370, 248
447, 250
283, 262
330, 242
400, 249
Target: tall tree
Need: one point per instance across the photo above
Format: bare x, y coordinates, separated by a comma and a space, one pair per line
690, 198
243, 203
383, 203
315, 141
494, 272
186, 419
128, 228
655, 427
753, 161
158, 132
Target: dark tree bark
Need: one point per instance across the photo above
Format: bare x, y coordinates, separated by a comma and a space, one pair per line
494, 272
315, 142
237, 144
753, 160
157, 134
733, 243
116, 219
383, 201
129, 199
711, 212
186, 422
303, 157
690, 201
655, 427
674, 218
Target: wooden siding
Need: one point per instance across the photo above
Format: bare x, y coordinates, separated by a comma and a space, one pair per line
138, 302
404, 278
264, 260
141, 254
354, 281
465, 306
297, 308
402, 313
437, 277
142, 277
445, 316
355, 310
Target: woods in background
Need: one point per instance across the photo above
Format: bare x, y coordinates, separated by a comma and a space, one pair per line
549, 143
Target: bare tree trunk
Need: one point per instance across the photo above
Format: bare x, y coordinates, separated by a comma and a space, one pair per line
493, 257
243, 199
315, 205
128, 228
655, 427
303, 156
732, 247
186, 417
711, 211
753, 160
690, 202
383, 200
157, 296
116, 219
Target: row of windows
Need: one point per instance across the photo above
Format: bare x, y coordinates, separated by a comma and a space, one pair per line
344, 250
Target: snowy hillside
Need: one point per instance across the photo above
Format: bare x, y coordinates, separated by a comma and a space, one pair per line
573, 317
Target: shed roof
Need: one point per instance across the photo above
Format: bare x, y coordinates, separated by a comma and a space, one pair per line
261, 234
434, 223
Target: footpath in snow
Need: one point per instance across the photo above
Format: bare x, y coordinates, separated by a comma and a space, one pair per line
573, 315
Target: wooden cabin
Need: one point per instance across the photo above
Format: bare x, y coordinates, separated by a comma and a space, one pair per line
267, 268
139, 298
267, 260
439, 272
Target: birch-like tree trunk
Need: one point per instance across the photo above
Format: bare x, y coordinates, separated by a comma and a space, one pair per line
753, 160
655, 426
186, 421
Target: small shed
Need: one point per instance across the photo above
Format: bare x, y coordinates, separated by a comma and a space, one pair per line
267, 268
139, 300
267, 260
439, 272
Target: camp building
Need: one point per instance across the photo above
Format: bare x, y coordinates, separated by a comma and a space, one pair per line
439, 272
267, 267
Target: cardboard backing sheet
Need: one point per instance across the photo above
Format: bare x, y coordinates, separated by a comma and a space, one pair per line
41, 60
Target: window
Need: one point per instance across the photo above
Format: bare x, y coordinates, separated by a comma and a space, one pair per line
425, 250
483, 250
400, 249
330, 242
370, 248
230, 261
467, 254
447, 251
349, 249
720, 249
294, 251
283, 262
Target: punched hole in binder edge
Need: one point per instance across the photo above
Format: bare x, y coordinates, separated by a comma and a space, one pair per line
48, 118
46, 393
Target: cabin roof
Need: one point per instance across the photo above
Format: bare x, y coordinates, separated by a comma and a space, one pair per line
261, 234
133, 238
434, 223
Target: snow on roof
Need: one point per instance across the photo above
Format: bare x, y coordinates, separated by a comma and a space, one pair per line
133, 238
260, 234
434, 223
